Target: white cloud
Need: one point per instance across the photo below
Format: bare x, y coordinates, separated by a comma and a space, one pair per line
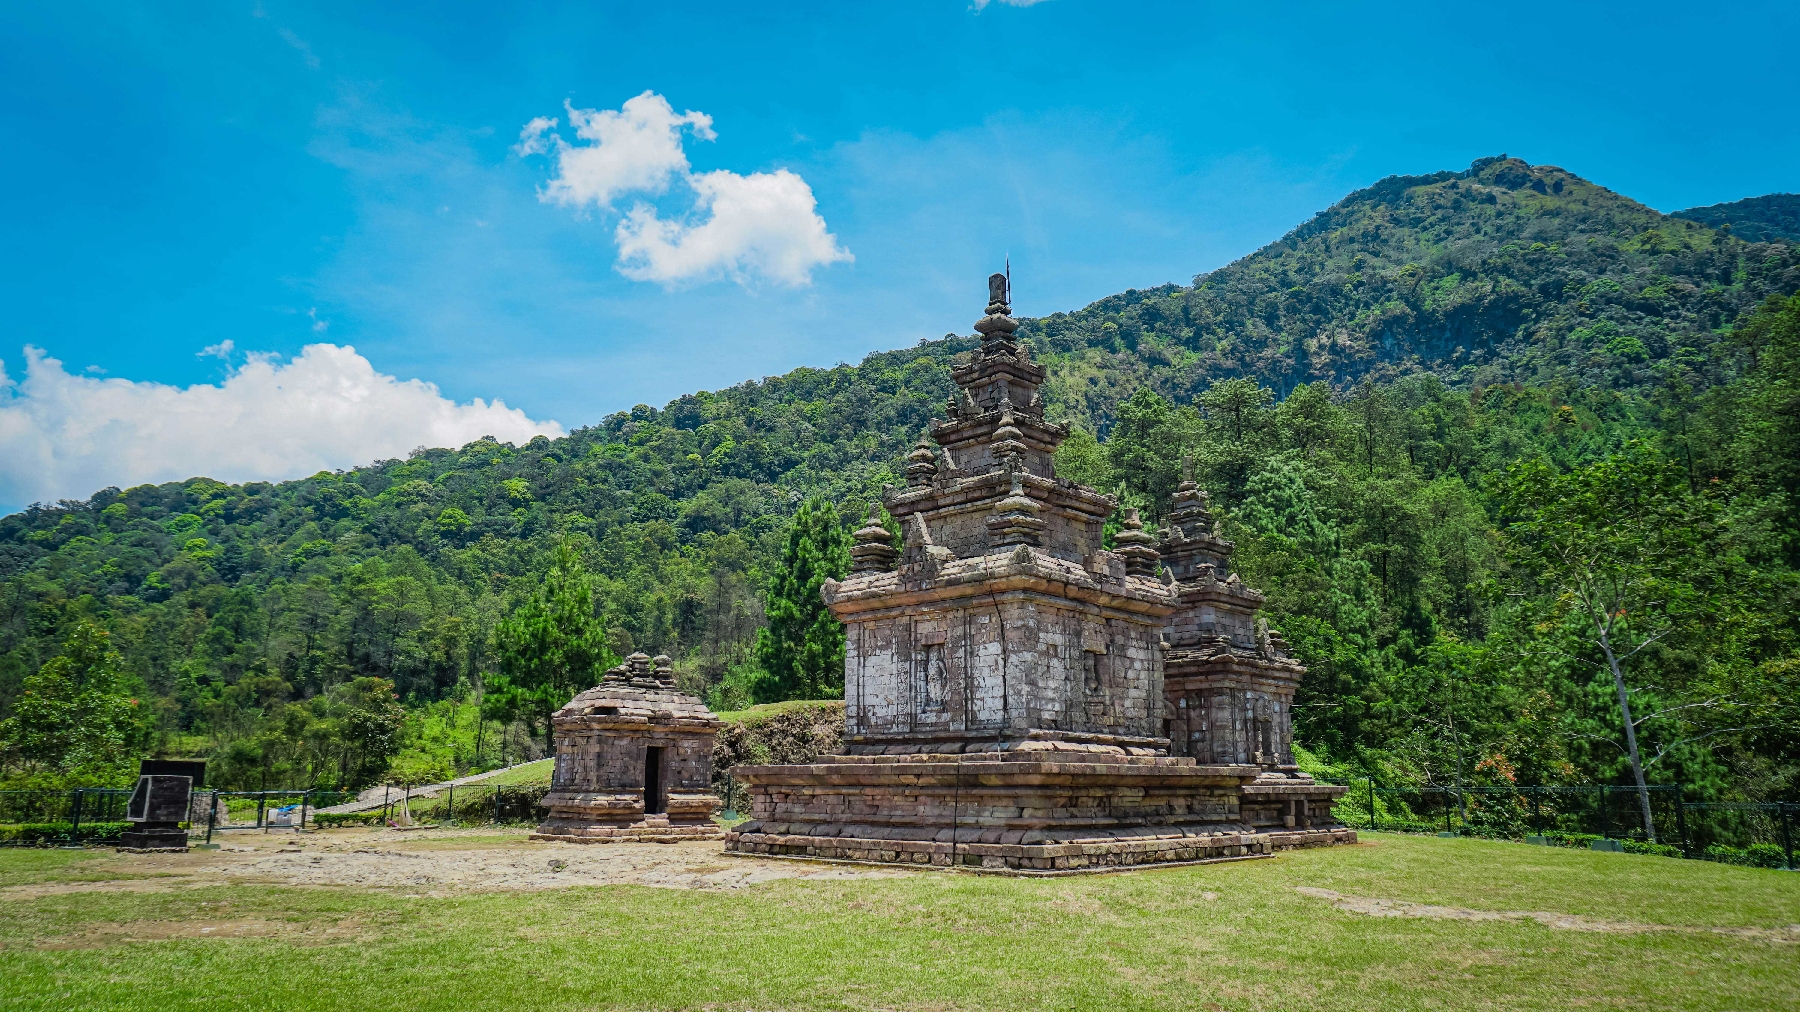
763, 225
64, 435
634, 150
533, 139
220, 350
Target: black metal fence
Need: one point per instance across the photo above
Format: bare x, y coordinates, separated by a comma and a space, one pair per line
97, 815
67, 818
465, 805
1751, 834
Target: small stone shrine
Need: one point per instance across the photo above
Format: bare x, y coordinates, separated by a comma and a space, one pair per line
1228, 682
1004, 672
633, 761
159, 805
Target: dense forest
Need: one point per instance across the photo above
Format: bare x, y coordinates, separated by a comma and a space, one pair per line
1400, 409
1774, 217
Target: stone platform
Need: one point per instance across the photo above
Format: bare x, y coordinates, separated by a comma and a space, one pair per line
1019, 812
581, 825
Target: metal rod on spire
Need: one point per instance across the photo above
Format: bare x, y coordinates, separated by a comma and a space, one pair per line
1009, 279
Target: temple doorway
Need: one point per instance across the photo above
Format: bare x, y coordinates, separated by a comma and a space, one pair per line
656, 800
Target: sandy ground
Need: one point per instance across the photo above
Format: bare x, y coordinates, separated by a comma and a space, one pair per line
1565, 922
441, 862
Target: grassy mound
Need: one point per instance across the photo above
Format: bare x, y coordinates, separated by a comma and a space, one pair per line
796, 731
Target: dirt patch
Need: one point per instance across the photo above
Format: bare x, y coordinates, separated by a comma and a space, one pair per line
1562, 922
448, 862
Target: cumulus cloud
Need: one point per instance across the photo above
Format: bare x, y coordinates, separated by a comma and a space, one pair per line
65, 435
635, 149
764, 225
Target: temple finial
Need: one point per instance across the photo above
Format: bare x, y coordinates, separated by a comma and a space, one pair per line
998, 324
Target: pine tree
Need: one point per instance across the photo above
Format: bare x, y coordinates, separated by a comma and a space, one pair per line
549, 649
801, 652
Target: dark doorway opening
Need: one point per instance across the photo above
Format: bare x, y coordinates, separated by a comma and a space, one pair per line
656, 801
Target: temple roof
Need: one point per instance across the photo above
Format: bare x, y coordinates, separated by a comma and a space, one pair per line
641, 690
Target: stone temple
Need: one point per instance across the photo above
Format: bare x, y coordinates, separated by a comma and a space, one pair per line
633, 761
1022, 699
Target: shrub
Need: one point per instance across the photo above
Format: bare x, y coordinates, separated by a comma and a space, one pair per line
1757, 855
1653, 849
46, 834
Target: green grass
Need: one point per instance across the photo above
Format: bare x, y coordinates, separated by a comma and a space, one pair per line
763, 711
528, 774
1231, 936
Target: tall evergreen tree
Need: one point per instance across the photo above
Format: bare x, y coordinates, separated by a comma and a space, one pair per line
802, 650
552, 647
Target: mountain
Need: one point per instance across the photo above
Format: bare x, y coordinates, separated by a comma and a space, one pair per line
1419, 336
1771, 218
1505, 272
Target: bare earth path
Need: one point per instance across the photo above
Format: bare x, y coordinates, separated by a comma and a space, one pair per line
381, 795
442, 862
1374, 907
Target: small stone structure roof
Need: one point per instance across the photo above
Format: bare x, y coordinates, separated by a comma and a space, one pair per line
638, 692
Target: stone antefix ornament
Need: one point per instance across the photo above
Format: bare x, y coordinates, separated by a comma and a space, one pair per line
1004, 682
159, 805
633, 761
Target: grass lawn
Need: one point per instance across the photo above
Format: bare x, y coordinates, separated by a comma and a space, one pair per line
763, 711
1230, 936
523, 775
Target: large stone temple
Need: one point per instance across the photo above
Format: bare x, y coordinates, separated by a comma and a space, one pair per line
1021, 698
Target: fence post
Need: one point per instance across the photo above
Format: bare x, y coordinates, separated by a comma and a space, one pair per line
1537, 810
1446, 797
212, 814
262, 798
1787, 838
1371, 804
496, 804
75, 821
451, 819
1687, 848
387, 791
1605, 825
305, 796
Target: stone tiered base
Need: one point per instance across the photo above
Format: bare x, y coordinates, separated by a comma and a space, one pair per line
1018, 812
582, 817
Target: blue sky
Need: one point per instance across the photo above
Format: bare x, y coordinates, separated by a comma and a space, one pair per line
276, 175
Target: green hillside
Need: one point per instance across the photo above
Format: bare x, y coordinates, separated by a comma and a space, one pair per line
1771, 218
1503, 273
1404, 348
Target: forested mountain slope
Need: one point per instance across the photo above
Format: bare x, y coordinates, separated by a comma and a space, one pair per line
1500, 313
1774, 217
1503, 273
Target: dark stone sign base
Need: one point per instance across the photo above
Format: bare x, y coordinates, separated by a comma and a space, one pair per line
1028, 812
153, 838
